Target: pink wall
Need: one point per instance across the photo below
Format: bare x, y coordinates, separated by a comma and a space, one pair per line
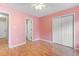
17, 25
42, 29
45, 28
45, 22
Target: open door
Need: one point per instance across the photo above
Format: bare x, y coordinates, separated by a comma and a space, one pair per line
29, 29
4, 33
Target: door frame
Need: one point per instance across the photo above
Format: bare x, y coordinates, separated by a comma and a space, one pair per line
72, 14
27, 18
7, 21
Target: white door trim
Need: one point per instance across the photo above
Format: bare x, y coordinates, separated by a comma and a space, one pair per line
74, 29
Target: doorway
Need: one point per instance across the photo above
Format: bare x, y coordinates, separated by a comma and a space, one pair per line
4, 29
29, 29
63, 30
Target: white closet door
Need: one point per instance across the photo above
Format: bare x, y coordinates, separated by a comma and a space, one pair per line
63, 30
67, 31
3, 28
29, 29
56, 30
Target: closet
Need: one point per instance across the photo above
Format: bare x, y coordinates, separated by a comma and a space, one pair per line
63, 30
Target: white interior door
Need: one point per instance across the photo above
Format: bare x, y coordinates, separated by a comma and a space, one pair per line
67, 31
63, 30
56, 30
29, 29
3, 28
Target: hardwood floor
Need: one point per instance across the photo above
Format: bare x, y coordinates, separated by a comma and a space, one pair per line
38, 48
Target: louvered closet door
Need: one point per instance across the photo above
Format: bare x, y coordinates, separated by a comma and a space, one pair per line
63, 32
57, 30
67, 31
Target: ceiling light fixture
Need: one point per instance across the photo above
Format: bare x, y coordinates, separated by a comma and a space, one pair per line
39, 6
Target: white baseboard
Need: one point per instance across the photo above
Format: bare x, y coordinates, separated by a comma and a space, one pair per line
43, 40
46, 40
36, 40
17, 45
32, 40
76, 49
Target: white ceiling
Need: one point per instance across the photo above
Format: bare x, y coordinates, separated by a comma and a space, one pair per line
50, 8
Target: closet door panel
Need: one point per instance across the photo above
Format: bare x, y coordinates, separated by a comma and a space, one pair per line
67, 31
57, 30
